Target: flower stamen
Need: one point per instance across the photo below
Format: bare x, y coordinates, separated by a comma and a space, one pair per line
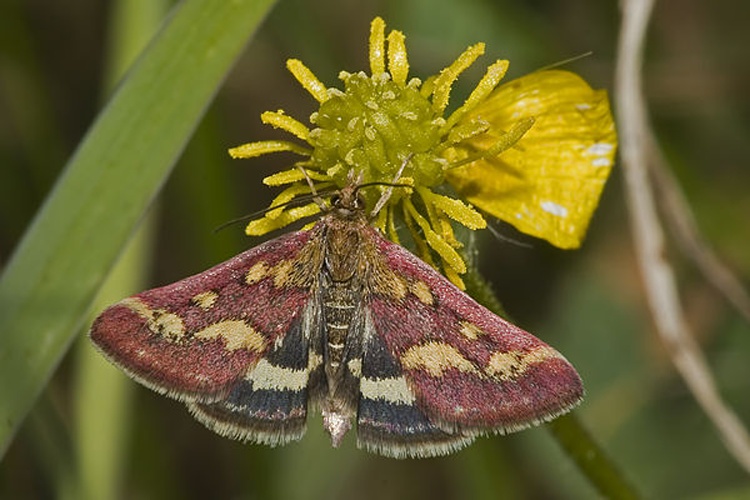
398, 62
446, 78
278, 119
253, 149
377, 46
308, 80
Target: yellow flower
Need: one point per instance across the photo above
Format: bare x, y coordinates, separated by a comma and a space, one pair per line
534, 152
548, 184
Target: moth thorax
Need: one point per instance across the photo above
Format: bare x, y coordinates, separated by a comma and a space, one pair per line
344, 251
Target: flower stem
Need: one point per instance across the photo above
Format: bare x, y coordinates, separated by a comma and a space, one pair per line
568, 430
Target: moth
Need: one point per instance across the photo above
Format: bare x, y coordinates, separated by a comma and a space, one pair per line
337, 319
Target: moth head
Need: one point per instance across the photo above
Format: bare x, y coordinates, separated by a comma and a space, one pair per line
348, 202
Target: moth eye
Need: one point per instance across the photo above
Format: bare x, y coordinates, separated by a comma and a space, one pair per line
336, 200
359, 202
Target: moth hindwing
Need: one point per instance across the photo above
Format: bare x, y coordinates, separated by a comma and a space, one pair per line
340, 320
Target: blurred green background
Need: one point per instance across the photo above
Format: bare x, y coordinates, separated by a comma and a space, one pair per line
120, 440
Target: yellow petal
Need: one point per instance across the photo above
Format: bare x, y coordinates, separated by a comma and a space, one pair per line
421, 248
253, 149
549, 183
436, 242
391, 226
266, 225
445, 79
292, 175
445, 229
307, 79
285, 197
487, 84
377, 46
454, 277
279, 119
455, 209
398, 62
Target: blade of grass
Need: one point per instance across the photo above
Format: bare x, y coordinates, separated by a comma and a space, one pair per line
67, 252
103, 396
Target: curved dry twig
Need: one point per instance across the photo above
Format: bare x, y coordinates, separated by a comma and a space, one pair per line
682, 223
658, 277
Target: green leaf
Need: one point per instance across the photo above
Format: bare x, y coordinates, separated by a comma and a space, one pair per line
105, 189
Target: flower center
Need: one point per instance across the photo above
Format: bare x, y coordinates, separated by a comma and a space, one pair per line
373, 126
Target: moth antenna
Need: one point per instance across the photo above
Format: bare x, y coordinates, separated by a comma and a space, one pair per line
565, 61
512, 241
389, 191
300, 200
